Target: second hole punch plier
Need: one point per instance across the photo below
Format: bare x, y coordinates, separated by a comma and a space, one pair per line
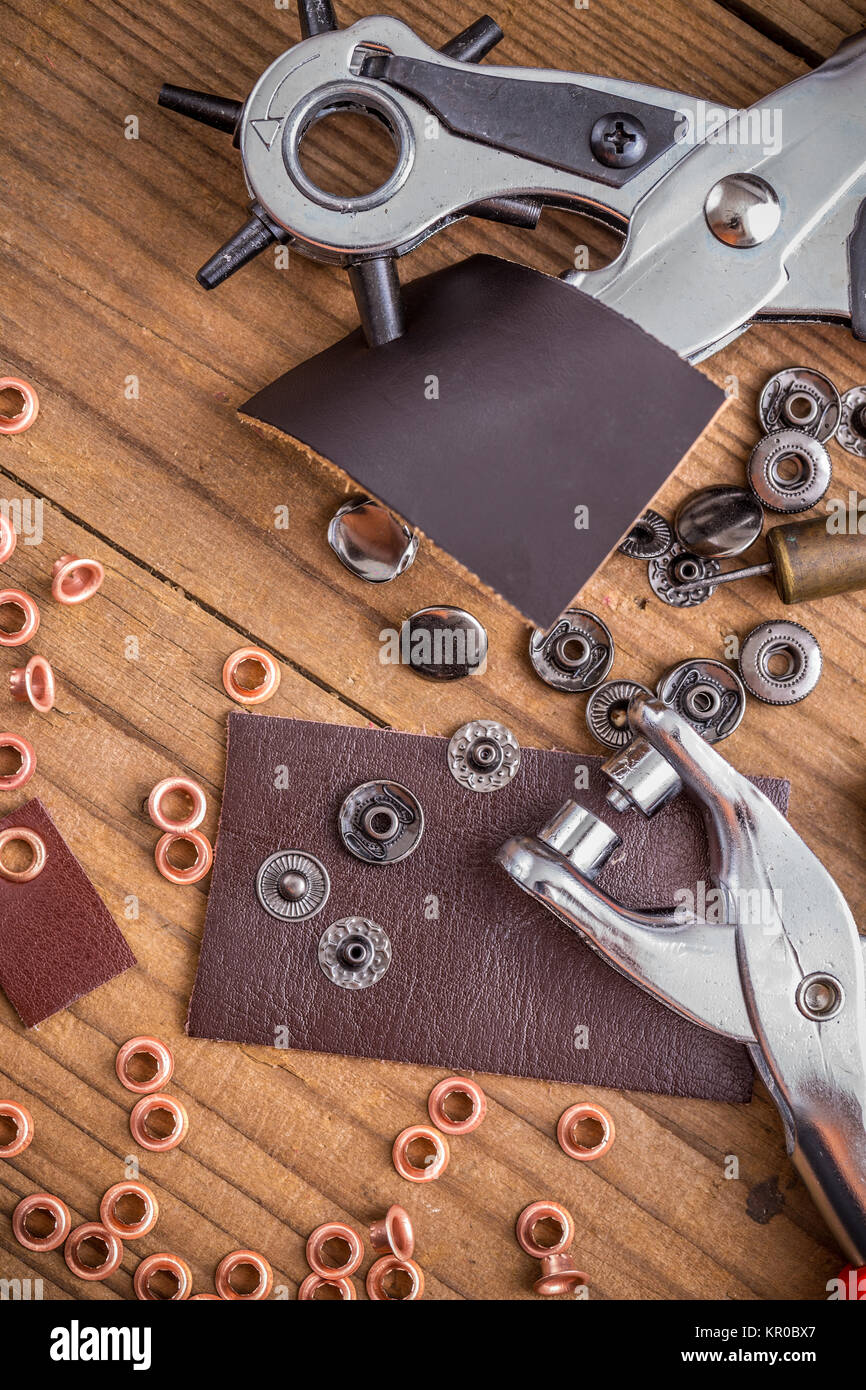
783, 972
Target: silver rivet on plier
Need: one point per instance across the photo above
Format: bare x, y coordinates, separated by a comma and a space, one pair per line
574, 654
820, 996
483, 755
292, 884
381, 822
354, 953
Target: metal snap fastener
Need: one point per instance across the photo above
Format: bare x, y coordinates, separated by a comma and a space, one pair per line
789, 471
780, 662
800, 398
717, 522
607, 712
650, 537
354, 953
820, 996
681, 566
370, 541
851, 433
575, 654
708, 694
444, 644
381, 822
292, 884
483, 755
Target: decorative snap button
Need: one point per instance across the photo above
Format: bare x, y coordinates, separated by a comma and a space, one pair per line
708, 694
381, 822
483, 755
575, 654
292, 884
354, 953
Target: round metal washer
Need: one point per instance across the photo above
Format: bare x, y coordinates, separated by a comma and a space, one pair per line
708, 694
650, 537
681, 566
292, 884
794, 453
574, 654
354, 952
717, 522
851, 433
800, 398
381, 822
606, 712
483, 755
799, 649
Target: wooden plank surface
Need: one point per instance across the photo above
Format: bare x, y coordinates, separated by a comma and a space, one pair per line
101, 236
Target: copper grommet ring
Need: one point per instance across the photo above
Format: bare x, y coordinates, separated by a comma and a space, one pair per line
382, 1269
128, 1230
438, 1163
456, 1086
567, 1127
74, 580
17, 424
393, 1233
33, 682
95, 1231
239, 1259
203, 856
8, 538
23, 1122
165, 1263
189, 788
26, 836
334, 1230
16, 598
11, 781
141, 1112
144, 1047
559, 1274
255, 695
314, 1282
51, 1206
532, 1216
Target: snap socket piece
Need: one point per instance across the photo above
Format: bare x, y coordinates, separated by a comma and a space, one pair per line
681, 566
483, 755
34, 683
532, 1216
165, 1263
789, 471
380, 1274
36, 845
393, 1233
157, 1051
851, 433
23, 418
292, 884
607, 712
708, 694
11, 781
22, 1120
313, 1285
336, 1231
434, 1165
371, 542
799, 398
717, 522
566, 1131
203, 856
128, 1230
100, 1236
47, 1205
442, 1093
16, 598
581, 837
354, 953
165, 788
780, 662
650, 537
244, 1259
574, 654
443, 644
75, 580
141, 1113
381, 822
264, 688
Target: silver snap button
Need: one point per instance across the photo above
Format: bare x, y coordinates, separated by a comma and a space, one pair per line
371, 542
780, 662
851, 433
443, 644
708, 694
789, 471
799, 398
607, 712
574, 654
719, 521
483, 755
681, 566
354, 953
292, 885
381, 822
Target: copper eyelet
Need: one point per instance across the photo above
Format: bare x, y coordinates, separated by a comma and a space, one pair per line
53, 1207
164, 789
456, 1086
23, 1122
199, 1297
11, 781
92, 1230
17, 424
138, 1122
390, 1264
16, 598
203, 856
313, 1282
128, 1230
566, 1131
8, 538
147, 1047
33, 682
242, 694
393, 1233
237, 1260
29, 837
334, 1230
165, 1263
559, 1274
532, 1216
74, 580
438, 1162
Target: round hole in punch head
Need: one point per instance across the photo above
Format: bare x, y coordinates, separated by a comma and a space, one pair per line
129, 1210
30, 859
75, 580
25, 406
171, 790
41, 1222
572, 1136
250, 676
92, 1252
393, 1233
16, 1129
457, 1105
392, 1280
420, 1154
162, 1278
34, 683
188, 873
244, 1275
314, 1287
544, 1228
8, 538
334, 1250
144, 1065
158, 1122
25, 630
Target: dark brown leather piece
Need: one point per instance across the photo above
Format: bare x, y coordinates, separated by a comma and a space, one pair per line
547, 401
496, 983
58, 941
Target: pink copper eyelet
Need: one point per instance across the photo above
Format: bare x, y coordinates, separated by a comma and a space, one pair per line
334, 1230
8, 538
559, 1274
16, 598
242, 694
314, 1282
382, 1269
17, 424
23, 1122
532, 1216
33, 682
171, 1265
144, 1108
74, 580
203, 856
566, 1131
144, 1047
189, 788
438, 1162
11, 781
29, 837
456, 1086
95, 1231
243, 1259
393, 1233
128, 1230
51, 1206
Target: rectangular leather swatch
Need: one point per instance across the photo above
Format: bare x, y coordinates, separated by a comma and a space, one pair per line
482, 977
58, 941
520, 424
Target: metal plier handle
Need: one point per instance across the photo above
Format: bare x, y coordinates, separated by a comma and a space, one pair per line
783, 973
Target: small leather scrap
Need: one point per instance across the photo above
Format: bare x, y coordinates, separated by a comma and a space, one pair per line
58, 941
482, 976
